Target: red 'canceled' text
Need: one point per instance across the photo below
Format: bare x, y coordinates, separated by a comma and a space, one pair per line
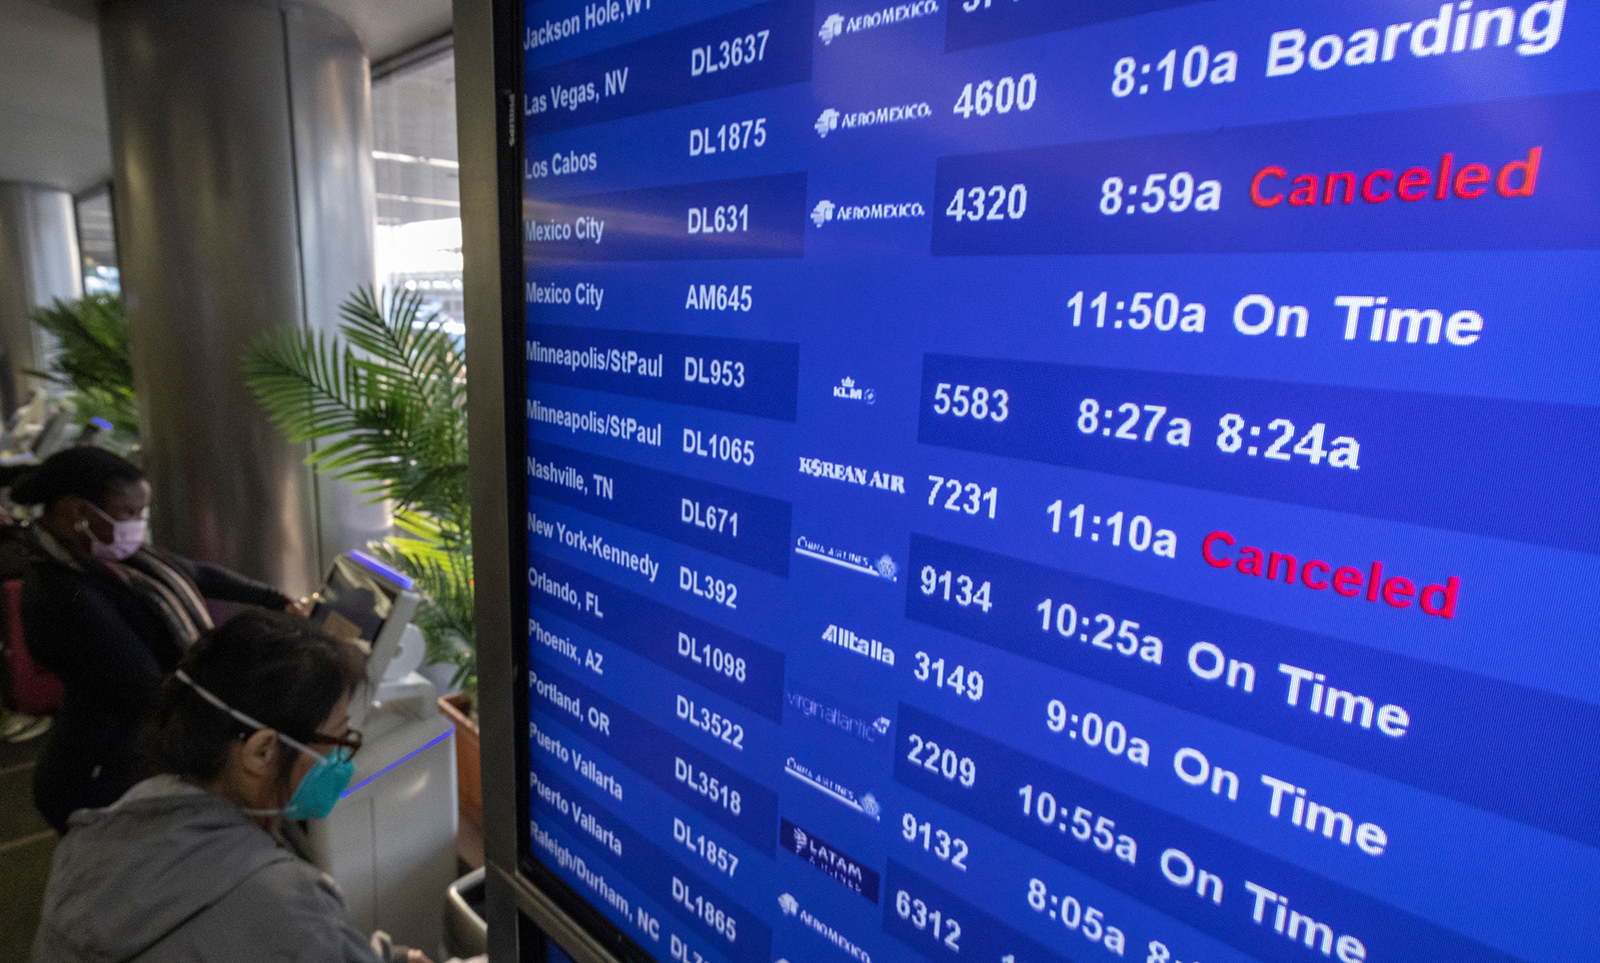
1396, 591
1467, 182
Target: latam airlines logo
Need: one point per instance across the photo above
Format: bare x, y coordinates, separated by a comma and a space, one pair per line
836, 863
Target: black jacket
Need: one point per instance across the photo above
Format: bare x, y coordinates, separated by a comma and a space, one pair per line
111, 650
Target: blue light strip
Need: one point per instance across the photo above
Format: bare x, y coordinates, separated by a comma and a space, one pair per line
401, 761
371, 564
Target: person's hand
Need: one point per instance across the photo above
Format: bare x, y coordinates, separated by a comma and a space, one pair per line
302, 607
390, 952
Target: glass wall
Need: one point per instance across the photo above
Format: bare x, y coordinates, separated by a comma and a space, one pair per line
97, 242
419, 204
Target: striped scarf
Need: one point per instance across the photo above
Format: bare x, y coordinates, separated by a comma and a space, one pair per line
154, 577
164, 587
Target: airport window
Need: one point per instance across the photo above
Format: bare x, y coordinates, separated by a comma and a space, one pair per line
97, 241
418, 183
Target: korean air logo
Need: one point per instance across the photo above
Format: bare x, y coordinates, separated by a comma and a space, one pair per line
788, 904
831, 27
828, 121
822, 213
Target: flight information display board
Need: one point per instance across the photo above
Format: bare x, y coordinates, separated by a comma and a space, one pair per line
1014, 480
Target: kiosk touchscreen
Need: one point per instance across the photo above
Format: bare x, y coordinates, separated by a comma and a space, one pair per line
390, 840
1011, 481
367, 601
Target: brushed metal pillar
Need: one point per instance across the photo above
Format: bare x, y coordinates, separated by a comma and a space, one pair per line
38, 263
241, 153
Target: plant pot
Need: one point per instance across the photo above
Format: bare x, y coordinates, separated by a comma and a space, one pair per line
469, 776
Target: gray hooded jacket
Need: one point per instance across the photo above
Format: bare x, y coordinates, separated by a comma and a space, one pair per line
173, 873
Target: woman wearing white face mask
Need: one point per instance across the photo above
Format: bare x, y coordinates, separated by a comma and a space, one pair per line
110, 614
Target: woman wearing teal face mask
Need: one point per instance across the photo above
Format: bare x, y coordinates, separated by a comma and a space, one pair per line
253, 728
110, 614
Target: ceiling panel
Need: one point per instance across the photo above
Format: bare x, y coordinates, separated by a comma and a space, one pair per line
52, 102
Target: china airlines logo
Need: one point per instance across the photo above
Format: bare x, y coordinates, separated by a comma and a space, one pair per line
831, 27
828, 121
822, 213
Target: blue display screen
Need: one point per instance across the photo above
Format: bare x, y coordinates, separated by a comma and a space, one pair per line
1014, 480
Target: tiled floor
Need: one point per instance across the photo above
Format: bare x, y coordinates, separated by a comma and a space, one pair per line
26, 845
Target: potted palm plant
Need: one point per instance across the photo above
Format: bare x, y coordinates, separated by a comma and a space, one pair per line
91, 360
384, 404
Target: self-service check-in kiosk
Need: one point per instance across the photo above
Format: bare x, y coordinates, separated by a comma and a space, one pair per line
390, 841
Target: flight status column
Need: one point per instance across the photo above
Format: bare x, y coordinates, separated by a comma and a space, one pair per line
1020, 481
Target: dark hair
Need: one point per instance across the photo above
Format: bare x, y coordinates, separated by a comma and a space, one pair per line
85, 471
271, 666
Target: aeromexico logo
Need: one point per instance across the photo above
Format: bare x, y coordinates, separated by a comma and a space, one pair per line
837, 24
831, 119
840, 866
827, 210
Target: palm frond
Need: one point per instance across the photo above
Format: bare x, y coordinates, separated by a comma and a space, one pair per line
384, 405
92, 358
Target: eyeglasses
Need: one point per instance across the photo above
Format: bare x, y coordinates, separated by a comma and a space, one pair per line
349, 744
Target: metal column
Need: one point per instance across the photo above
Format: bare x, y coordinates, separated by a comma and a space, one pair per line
241, 149
38, 264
